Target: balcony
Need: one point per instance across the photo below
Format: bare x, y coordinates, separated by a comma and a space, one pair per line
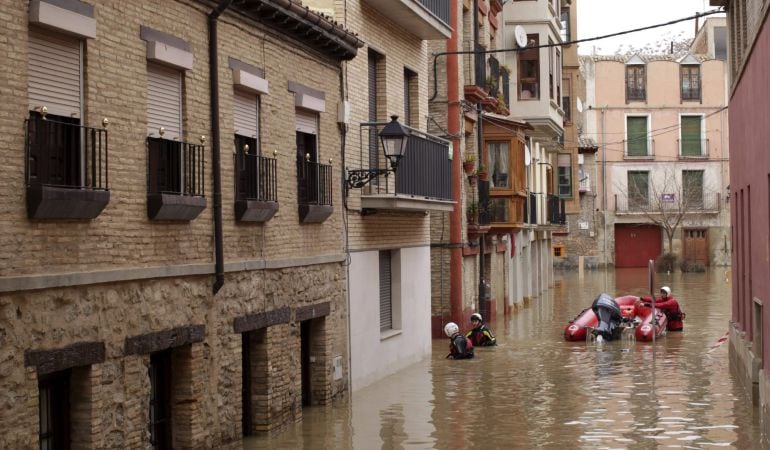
639, 150
693, 148
426, 19
707, 203
530, 209
314, 191
423, 181
175, 177
556, 211
66, 169
256, 197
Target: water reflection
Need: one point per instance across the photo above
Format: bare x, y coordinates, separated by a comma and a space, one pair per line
535, 390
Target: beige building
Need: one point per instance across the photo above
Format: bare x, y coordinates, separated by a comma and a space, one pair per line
169, 281
660, 123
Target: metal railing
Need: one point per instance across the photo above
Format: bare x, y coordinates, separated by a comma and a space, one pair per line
425, 171
175, 167
439, 8
530, 209
314, 183
635, 94
692, 93
65, 154
256, 178
707, 202
693, 148
650, 149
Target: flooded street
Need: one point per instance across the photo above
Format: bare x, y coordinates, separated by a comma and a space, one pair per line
537, 391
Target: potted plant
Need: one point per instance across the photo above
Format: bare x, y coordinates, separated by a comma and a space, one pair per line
483, 173
472, 213
469, 163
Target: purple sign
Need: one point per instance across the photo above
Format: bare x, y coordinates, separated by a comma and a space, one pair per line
668, 197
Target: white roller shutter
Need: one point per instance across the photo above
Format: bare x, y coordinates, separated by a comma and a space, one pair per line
307, 121
54, 72
164, 101
246, 114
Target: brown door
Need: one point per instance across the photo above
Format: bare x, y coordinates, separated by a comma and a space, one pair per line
696, 246
636, 244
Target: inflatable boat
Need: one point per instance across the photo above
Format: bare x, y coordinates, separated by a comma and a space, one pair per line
608, 317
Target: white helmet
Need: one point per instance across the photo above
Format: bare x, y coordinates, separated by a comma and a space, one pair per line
476, 316
666, 289
451, 329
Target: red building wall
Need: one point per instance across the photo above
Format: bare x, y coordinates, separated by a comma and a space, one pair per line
749, 187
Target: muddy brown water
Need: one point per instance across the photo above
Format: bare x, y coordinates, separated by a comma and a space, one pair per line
534, 390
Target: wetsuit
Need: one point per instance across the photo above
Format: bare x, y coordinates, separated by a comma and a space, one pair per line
482, 336
460, 348
670, 306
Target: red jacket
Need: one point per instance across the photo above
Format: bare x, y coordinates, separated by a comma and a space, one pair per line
670, 306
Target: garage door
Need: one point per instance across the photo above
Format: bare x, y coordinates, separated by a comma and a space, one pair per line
636, 244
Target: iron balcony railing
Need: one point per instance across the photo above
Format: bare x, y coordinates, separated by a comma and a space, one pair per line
425, 171
668, 203
639, 149
314, 183
635, 94
439, 8
175, 167
257, 178
692, 93
556, 211
693, 148
63, 154
530, 209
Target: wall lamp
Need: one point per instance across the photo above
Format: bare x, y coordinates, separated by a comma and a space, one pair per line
394, 138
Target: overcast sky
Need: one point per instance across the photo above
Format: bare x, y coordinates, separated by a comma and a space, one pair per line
599, 17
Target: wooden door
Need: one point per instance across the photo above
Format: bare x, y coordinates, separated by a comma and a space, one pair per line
696, 246
636, 244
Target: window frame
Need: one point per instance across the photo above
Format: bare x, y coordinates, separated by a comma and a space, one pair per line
491, 167
529, 55
410, 101
635, 73
687, 95
566, 30
640, 202
647, 141
701, 137
568, 184
693, 202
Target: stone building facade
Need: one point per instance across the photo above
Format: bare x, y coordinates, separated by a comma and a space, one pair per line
150, 297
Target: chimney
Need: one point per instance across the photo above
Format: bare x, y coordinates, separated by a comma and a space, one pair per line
696, 24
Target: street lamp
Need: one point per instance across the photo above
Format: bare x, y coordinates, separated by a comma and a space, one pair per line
394, 138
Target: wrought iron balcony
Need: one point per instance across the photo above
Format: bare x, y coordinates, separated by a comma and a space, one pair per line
708, 202
423, 181
314, 191
556, 211
256, 196
175, 179
639, 149
66, 168
426, 19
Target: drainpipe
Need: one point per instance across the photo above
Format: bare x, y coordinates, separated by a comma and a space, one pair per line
455, 217
219, 263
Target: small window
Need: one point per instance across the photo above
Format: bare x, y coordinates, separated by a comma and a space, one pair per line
529, 70
566, 100
499, 164
635, 83
386, 294
638, 190
637, 139
559, 251
410, 97
566, 32
690, 82
564, 174
720, 43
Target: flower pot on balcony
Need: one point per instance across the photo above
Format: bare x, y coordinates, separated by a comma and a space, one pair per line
468, 167
482, 173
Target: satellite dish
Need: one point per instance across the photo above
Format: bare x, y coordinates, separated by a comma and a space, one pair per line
527, 156
520, 35
579, 105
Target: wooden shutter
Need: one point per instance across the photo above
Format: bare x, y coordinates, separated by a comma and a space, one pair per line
386, 302
55, 79
307, 122
691, 142
637, 136
164, 101
246, 114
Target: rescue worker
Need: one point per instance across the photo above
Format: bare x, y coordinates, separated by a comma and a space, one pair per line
480, 335
668, 304
460, 347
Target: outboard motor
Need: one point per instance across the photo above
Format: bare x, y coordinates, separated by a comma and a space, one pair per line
608, 312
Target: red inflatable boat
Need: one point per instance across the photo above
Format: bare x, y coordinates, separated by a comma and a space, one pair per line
632, 310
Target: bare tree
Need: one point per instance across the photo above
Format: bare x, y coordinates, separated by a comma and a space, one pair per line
666, 197
668, 44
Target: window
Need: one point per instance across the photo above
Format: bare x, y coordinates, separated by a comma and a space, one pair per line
559, 251
255, 177
691, 136
551, 86
638, 190
54, 393
566, 32
635, 82
637, 140
566, 100
386, 295
690, 82
160, 400
376, 68
558, 75
529, 70
307, 156
410, 97
499, 157
564, 174
720, 43
692, 189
